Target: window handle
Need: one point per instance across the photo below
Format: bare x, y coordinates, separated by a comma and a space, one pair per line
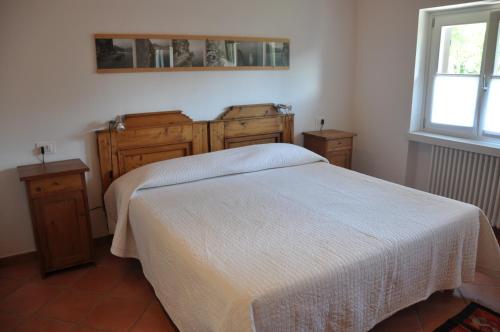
485, 82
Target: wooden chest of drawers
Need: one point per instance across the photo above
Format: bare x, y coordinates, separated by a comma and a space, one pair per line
334, 145
57, 196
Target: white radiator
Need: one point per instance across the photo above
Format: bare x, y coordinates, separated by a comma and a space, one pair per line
468, 177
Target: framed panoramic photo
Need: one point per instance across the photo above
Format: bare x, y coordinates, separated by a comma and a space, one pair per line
122, 53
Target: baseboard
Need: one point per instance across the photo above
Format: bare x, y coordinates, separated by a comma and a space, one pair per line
32, 255
19, 258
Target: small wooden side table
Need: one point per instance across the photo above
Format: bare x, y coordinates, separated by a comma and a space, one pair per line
57, 195
334, 145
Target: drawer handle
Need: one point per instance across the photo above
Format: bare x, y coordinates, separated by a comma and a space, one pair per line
55, 183
38, 189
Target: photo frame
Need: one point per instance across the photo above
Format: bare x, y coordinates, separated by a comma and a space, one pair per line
128, 53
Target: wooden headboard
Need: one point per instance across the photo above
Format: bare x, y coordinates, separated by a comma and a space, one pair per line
250, 124
151, 137
148, 137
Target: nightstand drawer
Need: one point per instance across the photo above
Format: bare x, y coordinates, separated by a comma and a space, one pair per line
55, 184
339, 144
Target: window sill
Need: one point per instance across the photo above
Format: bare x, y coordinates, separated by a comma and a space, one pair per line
483, 147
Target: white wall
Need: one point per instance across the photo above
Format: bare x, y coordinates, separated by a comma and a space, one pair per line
49, 89
386, 36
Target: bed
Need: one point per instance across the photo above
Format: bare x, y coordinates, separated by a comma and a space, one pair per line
270, 237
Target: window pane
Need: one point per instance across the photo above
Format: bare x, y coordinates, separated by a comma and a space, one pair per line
454, 100
492, 116
497, 55
461, 49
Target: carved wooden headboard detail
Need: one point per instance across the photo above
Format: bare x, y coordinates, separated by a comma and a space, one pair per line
250, 124
148, 137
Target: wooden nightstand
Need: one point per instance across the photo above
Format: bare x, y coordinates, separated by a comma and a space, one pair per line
57, 196
334, 145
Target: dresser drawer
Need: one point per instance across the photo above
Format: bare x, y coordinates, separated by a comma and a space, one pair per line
55, 184
339, 144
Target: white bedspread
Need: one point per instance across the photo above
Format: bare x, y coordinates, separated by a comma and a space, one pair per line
270, 239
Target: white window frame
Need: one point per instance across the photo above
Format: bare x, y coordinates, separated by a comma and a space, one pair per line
492, 39
428, 44
438, 21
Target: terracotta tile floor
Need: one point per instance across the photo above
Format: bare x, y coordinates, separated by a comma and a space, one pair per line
113, 295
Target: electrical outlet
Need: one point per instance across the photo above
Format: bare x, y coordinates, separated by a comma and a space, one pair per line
49, 146
318, 122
